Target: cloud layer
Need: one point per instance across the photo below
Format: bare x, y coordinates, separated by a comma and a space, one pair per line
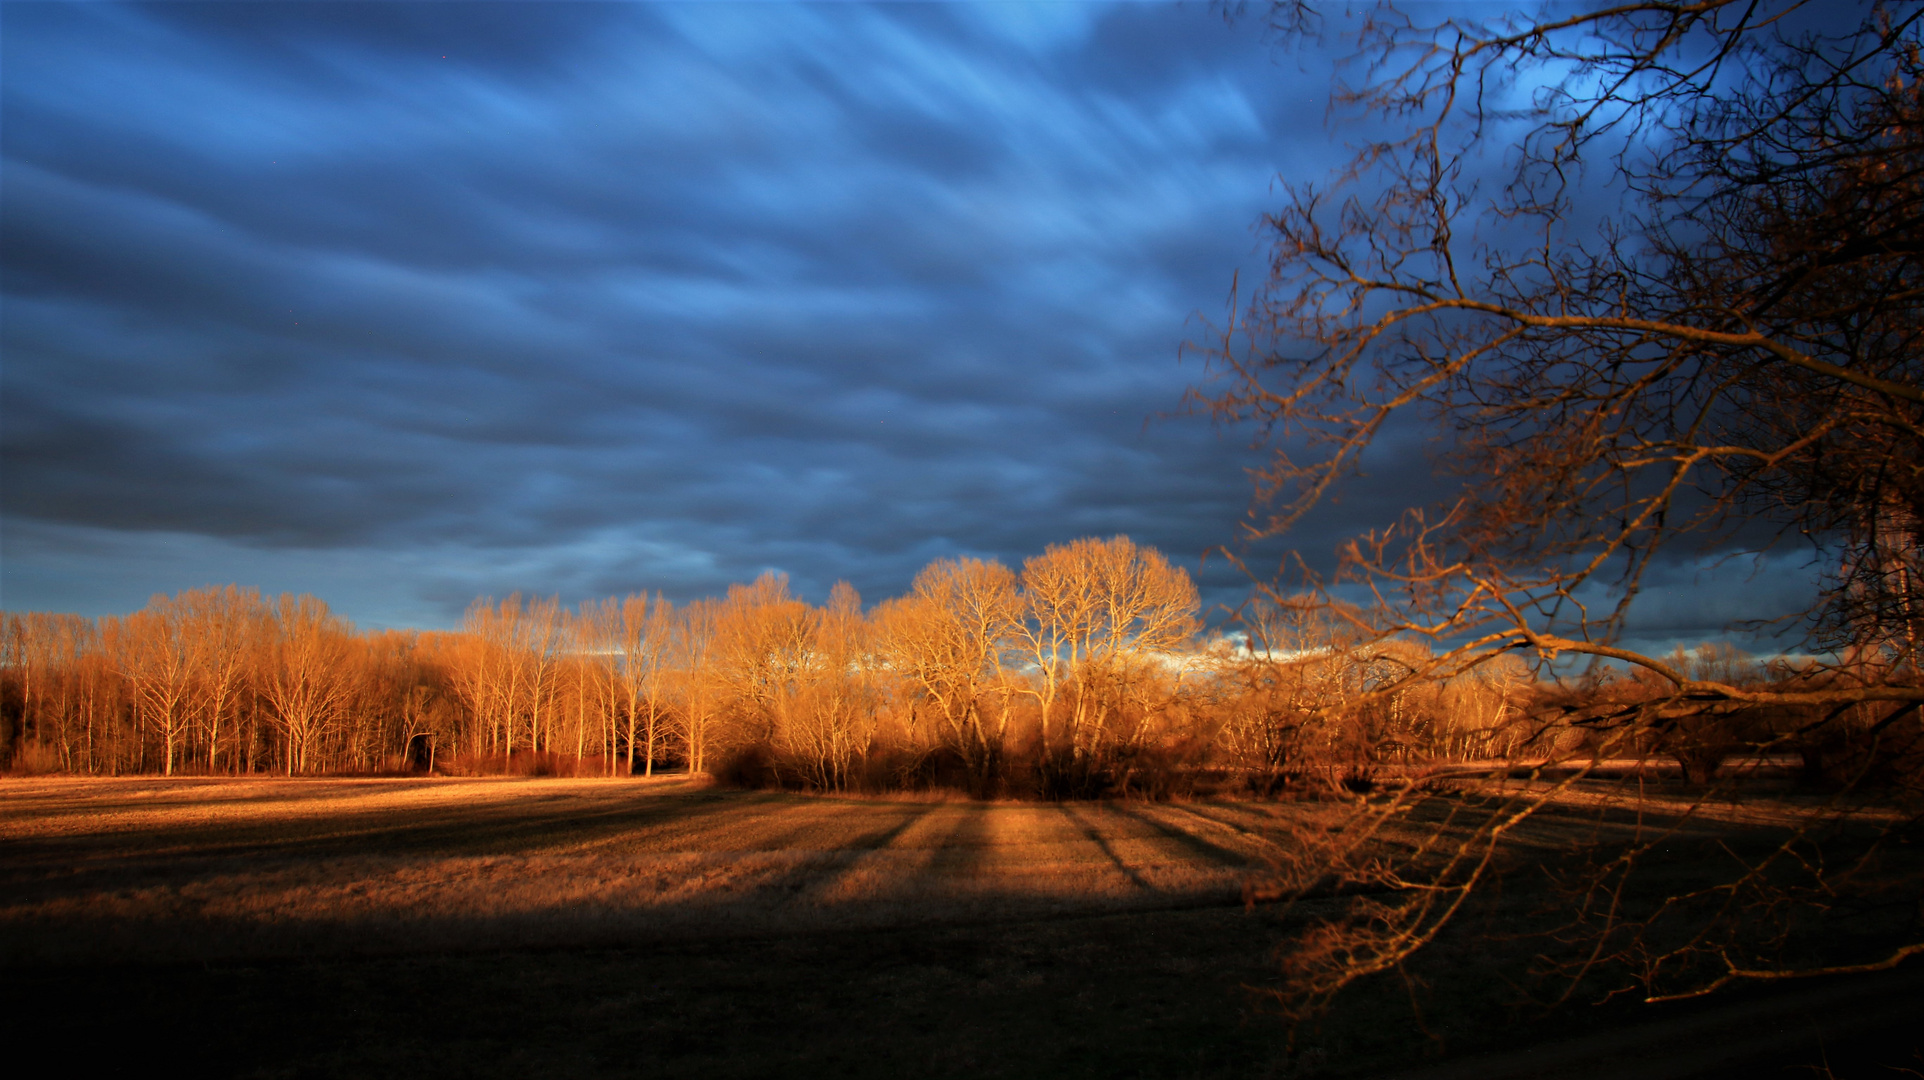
410, 302
405, 303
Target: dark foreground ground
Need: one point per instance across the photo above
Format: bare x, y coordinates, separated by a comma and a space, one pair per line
1136, 995
865, 955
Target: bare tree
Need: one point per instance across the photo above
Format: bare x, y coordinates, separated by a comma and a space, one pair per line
1145, 621
1652, 273
57, 708
834, 720
467, 661
597, 639
1098, 614
641, 643
306, 680
541, 639
225, 624
764, 649
1285, 679
499, 669
1059, 613
693, 647
950, 637
154, 652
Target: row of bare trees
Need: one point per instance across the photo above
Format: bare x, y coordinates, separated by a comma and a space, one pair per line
215, 679
1084, 672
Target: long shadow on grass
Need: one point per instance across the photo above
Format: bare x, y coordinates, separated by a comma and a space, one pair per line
767, 889
454, 831
1095, 837
1214, 852
762, 815
873, 841
399, 826
1258, 829
964, 848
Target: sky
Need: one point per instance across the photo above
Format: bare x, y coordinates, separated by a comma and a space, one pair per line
403, 304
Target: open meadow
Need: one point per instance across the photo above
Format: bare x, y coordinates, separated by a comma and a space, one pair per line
518, 927
202, 869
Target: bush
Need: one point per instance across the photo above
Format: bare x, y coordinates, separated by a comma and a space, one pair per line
36, 759
747, 767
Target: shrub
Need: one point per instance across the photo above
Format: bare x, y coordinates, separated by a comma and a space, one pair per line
36, 759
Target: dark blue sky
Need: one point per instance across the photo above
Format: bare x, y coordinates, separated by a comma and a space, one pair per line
404, 303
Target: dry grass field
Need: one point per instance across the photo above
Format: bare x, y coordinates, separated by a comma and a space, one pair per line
480, 927
154, 869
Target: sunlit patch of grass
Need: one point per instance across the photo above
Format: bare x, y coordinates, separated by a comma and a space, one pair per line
146, 867
107, 869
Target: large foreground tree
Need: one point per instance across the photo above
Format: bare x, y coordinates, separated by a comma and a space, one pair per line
1651, 274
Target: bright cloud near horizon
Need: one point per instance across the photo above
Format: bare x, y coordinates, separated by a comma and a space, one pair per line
401, 304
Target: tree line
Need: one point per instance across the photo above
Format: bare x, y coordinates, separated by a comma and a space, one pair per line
1086, 672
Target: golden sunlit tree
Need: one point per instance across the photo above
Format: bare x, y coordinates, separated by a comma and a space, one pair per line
835, 718
154, 651
644, 633
950, 637
764, 647
595, 632
1101, 618
504, 672
696, 687
540, 653
226, 625
59, 700
306, 678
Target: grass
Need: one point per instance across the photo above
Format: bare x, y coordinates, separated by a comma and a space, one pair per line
202, 869
513, 927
